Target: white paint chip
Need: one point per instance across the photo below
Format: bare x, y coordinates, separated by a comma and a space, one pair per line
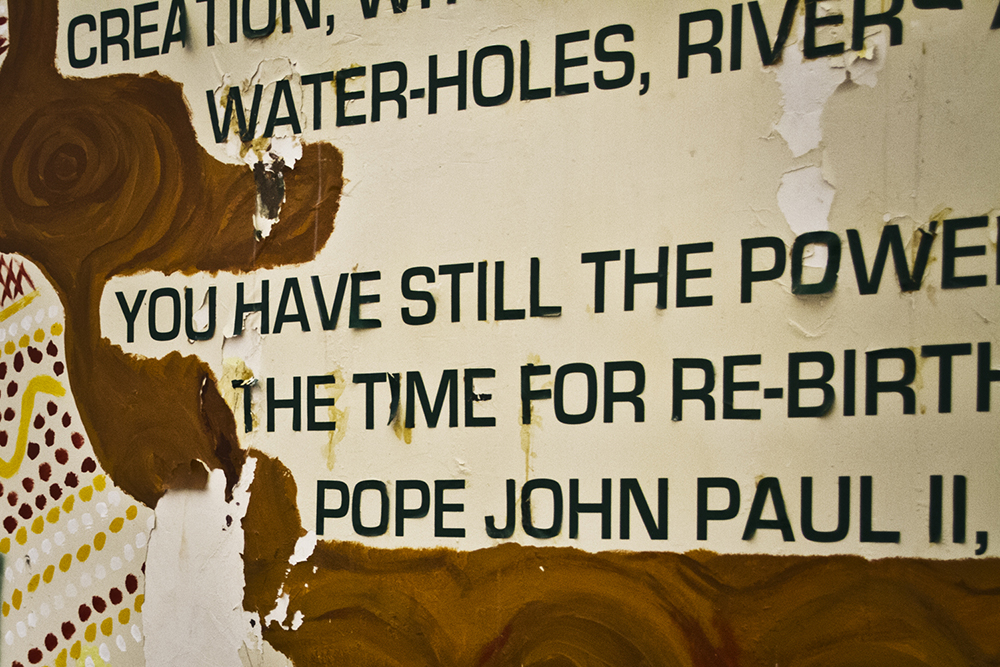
304, 548
104, 652
120, 643
194, 577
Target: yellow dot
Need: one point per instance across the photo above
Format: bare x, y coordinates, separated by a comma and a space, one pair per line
4, 545
22, 535
74, 651
38, 525
56, 329
86, 493
53, 516
9, 347
138, 602
39, 335
24, 341
116, 525
131, 512
50, 572
68, 504
65, 562
15, 599
61, 659
99, 482
83, 553
90, 634
124, 615
6, 608
107, 625
99, 541
33, 583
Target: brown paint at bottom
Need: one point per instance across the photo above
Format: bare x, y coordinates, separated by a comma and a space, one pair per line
521, 605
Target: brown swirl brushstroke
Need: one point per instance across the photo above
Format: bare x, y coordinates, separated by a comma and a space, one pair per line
104, 177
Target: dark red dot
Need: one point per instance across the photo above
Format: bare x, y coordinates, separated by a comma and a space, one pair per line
45, 471
39, 421
68, 629
51, 408
25, 511
40, 502
51, 348
58, 368
55, 491
11, 388
18, 362
1, 490
71, 480
66, 419
34, 354
3, 370
84, 613
99, 604
77, 440
17, 664
131, 583
28, 484
8, 414
35, 656
12, 498
3, 438
50, 641
10, 523
33, 449
62, 456
88, 465
50, 437
116, 595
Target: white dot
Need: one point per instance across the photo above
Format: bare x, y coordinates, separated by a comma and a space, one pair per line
151, 522
3, 334
53, 311
129, 553
46, 545
59, 538
85, 580
72, 526
32, 619
140, 540
44, 609
57, 602
40, 315
12, 329
70, 591
33, 555
9, 637
19, 564
22, 629
120, 641
102, 509
136, 635
26, 322
89, 662
116, 563
104, 652
9, 574
114, 497
100, 572
87, 519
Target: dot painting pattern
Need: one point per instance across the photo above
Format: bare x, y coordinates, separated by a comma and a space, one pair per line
74, 544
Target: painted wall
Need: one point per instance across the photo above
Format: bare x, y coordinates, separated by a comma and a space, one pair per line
538, 333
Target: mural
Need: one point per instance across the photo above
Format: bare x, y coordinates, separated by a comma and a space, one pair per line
214, 435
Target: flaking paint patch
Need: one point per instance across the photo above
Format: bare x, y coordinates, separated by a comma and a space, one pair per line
194, 576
